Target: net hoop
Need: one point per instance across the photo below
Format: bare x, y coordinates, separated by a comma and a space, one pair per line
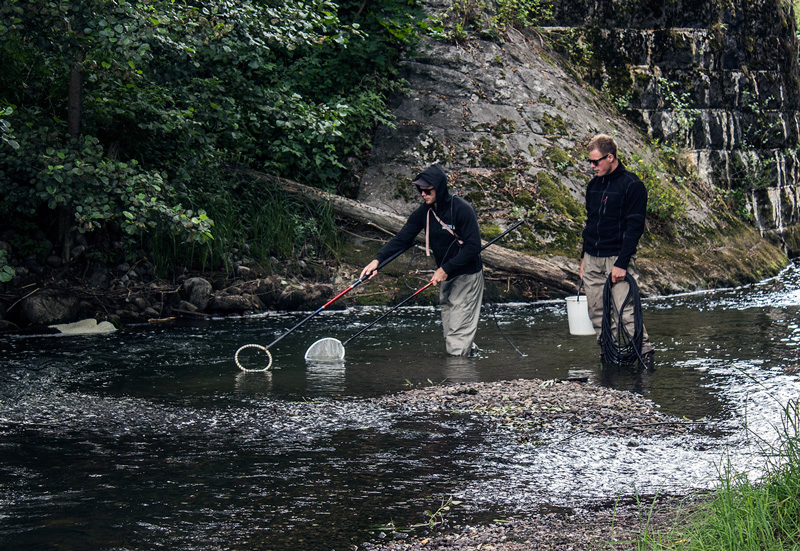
327, 349
243, 368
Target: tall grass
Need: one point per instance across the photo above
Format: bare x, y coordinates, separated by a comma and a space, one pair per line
745, 515
252, 220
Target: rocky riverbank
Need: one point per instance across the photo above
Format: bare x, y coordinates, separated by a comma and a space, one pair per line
617, 526
36, 299
527, 409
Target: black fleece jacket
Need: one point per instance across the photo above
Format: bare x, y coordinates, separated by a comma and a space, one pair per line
616, 206
455, 212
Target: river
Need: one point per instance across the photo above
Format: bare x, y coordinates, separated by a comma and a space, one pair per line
152, 438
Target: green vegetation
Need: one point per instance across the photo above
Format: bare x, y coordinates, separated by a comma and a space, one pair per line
796, 7
7, 273
492, 154
489, 19
553, 126
490, 231
560, 159
748, 515
120, 120
572, 43
503, 126
664, 200
756, 170
678, 100
254, 220
559, 198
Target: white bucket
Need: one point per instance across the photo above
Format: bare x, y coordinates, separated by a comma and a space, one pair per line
578, 314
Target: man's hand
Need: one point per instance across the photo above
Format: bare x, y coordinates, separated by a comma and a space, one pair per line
617, 274
370, 269
438, 276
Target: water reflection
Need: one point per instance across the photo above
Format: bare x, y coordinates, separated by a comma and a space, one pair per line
326, 377
156, 437
458, 369
254, 383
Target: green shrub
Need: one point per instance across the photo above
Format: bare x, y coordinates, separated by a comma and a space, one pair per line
664, 201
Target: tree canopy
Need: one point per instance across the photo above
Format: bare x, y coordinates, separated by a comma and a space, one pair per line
122, 115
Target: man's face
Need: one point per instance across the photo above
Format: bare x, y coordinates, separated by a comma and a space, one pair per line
601, 164
428, 194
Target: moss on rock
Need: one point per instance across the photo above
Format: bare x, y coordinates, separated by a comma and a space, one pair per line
559, 198
554, 126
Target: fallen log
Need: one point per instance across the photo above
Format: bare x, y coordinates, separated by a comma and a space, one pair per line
554, 274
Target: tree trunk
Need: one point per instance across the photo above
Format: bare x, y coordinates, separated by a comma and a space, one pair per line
555, 274
74, 100
64, 214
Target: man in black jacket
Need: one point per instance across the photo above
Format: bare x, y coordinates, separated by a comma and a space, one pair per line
616, 206
451, 231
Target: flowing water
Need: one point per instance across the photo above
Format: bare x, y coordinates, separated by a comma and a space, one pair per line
152, 438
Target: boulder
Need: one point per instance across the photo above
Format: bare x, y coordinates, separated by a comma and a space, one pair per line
140, 303
224, 303
50, 306
197, 291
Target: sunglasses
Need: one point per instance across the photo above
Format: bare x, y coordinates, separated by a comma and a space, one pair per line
595, 162
426, 190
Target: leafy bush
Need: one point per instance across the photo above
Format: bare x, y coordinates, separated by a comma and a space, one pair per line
488, 19
7, 273
123, 111
664, 201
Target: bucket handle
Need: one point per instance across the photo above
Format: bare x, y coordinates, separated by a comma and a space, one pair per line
580, 286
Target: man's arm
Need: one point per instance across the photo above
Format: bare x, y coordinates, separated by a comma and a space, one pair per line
635, 216
400, 242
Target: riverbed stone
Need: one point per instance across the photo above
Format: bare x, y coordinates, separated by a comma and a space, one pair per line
140, 303
244, 272
84, 327
186, 306
197, 290
150, 312
224, 303
50, 306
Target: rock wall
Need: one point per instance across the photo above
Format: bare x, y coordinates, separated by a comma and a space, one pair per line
718, 77
508, 117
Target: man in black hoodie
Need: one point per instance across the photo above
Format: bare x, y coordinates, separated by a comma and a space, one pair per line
451, 231
616, 206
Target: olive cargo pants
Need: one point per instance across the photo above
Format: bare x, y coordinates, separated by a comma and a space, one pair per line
596, 270
460, 300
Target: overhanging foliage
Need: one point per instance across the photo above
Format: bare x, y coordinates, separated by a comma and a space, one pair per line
116, 113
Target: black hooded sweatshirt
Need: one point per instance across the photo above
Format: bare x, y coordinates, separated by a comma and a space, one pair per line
616, 206
454, 258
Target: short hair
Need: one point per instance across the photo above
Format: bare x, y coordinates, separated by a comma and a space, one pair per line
603, 143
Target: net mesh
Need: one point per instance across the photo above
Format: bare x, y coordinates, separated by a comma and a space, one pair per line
325, 350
